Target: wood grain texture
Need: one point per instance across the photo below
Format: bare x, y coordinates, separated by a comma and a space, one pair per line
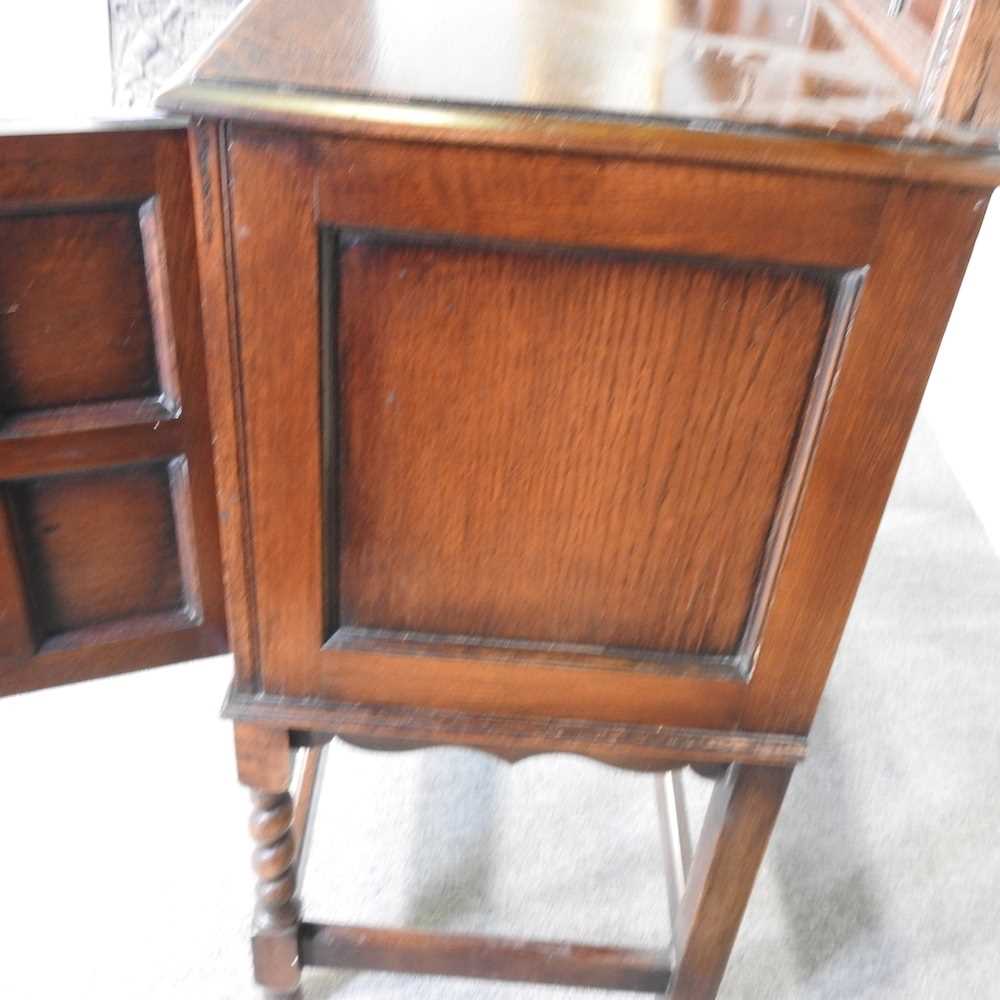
119, 559
105, 650
428, 953
970, 88
926, 238
225, 391
75, 322
276, 267
888, 356
587, 201
178, 282
523, 686
624, 745
96, 166
741, 814
263, 757
729, 667
313, 182
582, 449
129, 415
86, 438
313, 178
63, 520
281, 405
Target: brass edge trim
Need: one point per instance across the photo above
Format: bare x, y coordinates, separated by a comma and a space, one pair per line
742, 145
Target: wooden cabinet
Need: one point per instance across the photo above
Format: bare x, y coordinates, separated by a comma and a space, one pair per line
560, 360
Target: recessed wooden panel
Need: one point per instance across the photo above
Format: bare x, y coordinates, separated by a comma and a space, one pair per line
98, 547
75, 317
109, 556
561, 447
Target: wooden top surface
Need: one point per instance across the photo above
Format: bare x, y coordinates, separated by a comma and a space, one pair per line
610, 74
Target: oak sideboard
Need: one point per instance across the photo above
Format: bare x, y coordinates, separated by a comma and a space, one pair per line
526, 377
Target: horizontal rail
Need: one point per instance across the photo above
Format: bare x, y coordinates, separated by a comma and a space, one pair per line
630, 745
428, 953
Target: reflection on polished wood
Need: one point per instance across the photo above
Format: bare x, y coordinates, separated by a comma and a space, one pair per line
782, 64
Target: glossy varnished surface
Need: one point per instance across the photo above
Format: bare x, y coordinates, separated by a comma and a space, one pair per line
777, 64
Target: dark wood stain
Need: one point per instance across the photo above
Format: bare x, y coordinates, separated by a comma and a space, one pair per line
108, 540
75, 323
427, 953
63, 520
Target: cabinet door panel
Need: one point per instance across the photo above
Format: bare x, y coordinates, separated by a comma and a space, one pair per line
108, 539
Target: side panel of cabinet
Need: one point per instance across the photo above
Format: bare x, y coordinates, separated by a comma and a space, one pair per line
525, 433
109, 553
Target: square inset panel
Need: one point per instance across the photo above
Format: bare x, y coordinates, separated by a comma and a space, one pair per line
76, 323
98, 547
577, 448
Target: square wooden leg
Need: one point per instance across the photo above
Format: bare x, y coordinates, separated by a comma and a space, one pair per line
741, 815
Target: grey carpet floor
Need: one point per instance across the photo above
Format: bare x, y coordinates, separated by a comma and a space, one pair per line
124, 861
